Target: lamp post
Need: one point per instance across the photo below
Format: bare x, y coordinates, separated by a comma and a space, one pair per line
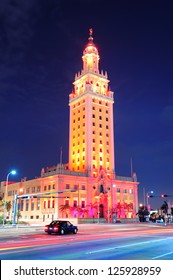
13, 172
108, 189
98, 207
147, 196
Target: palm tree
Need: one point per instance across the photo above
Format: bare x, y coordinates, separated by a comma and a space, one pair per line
92, 207
64, 209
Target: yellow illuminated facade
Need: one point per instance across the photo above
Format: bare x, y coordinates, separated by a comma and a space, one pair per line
91, 144
87, 187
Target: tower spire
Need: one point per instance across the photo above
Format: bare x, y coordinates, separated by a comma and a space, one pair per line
90, 39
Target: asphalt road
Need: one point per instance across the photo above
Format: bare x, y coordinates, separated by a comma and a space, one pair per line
93, 242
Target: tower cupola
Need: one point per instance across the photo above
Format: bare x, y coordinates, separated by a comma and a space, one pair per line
90, 55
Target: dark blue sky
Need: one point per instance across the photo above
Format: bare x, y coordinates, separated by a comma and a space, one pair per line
41, 44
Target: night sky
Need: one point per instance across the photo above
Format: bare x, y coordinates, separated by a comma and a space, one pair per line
41, 44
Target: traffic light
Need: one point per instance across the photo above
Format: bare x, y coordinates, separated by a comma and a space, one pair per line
164, 195
150, 195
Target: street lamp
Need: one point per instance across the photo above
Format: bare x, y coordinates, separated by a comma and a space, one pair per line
147, 196
13, 172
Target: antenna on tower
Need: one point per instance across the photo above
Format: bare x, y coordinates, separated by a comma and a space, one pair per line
61, 155
131, 167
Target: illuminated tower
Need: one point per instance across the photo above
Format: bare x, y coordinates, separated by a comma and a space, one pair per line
91, 136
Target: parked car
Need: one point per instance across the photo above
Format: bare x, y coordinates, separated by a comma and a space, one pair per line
60, 227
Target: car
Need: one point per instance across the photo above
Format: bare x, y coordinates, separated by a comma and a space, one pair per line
60, 227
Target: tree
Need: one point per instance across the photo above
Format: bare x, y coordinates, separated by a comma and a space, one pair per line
142, 213
65, 209
164, 207
92, 208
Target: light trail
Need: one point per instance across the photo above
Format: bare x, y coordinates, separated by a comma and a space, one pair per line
129, 245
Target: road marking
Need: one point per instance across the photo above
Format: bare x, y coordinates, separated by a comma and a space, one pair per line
129, 245
160, 256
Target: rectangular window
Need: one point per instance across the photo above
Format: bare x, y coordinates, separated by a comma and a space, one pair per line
67, 186
76, 187
53, 203
118, 190
27, 190
38, 203
75, 203
44, 205
83, 187
67, 202
27, 206
32, 205
33, 189
21, 205
83, 204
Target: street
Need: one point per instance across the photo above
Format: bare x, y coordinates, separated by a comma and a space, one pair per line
138, 241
